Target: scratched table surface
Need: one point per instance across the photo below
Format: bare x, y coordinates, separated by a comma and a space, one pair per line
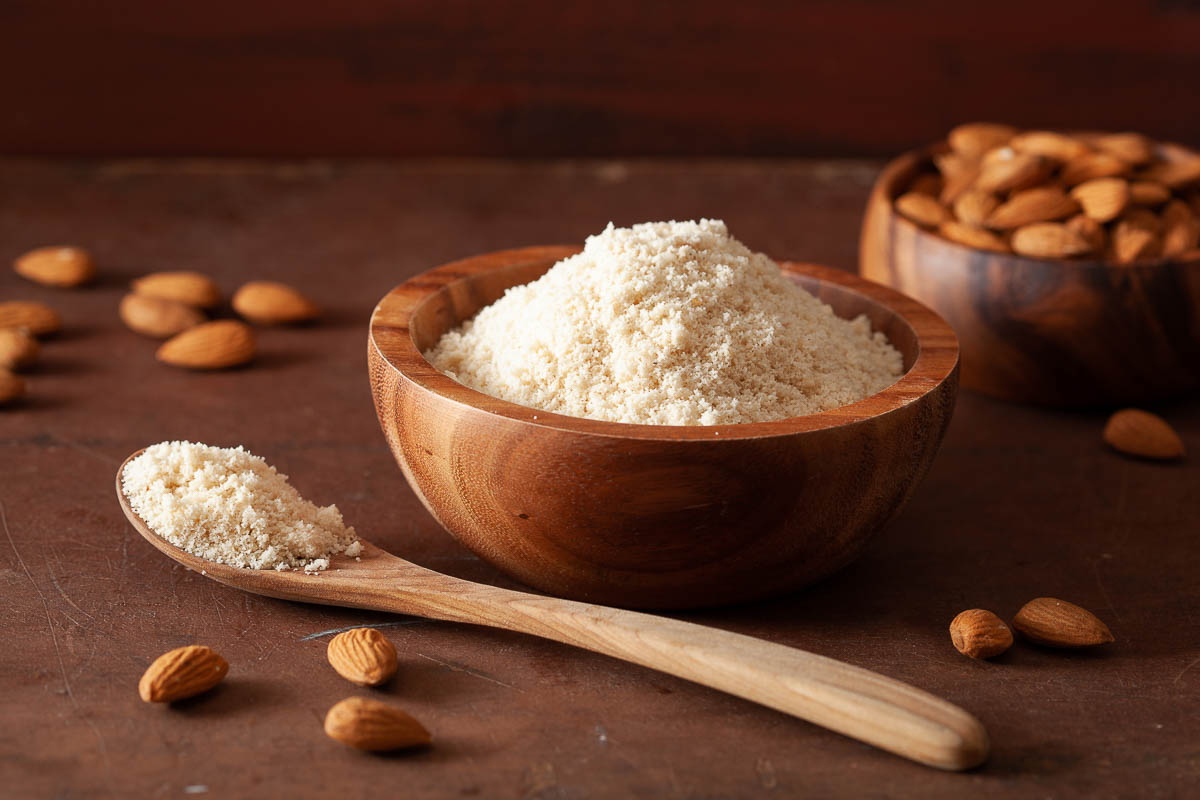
1020, 503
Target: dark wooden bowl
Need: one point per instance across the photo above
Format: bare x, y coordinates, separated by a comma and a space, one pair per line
1048, 332
646, 515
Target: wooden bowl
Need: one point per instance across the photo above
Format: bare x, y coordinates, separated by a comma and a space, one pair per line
1048, 332
646, 515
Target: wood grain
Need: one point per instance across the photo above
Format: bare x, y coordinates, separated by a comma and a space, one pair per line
856, 702
539, 78
1063, 333
646, 515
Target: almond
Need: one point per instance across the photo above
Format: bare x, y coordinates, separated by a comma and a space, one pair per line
211, 345
980, 634
974, 206
56, 266
1102, 199
1181, 229
1140, 433
38, 318
182, 672
1132, 242
191, 288
1175, 174
1057, 623
1092, 165
1058, 146
11, 387
18, 348
271, 303
156, 317
922, 209
1014, 172
927, 183
1043, 204
1048, 240
976, 138
1132, 148
1091, 231
363, 656
971, 236
1148, 193
371, 725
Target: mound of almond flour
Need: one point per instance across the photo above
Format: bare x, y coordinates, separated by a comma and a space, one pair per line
668, 323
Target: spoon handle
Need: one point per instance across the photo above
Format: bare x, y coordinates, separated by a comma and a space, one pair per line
850, 700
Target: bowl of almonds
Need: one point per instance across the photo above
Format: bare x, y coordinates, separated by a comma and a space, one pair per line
1067, 263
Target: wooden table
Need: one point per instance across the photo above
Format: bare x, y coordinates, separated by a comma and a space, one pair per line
1020, 503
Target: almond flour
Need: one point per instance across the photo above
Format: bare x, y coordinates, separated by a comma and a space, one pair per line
229, 506
668, 323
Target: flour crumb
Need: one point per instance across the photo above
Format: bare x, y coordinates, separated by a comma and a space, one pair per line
668, 323
229, 506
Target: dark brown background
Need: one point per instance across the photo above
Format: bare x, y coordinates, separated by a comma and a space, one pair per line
547, 77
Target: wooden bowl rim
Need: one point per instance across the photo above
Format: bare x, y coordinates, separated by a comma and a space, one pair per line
886, 185
937, 355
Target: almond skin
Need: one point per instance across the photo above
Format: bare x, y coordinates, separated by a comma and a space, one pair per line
1133, 241
1043, 204
63, 266
1091, 231
371, 725
190, 288
1057, 623
973, 207
211, 345
156, 317
1181, 229
971, 236
1058, 146
1048, 240
1013, 172
1175, 174
182, 672
11, 387
922, 209
1148, 193
928, 183
1102, 199
1133, 148
38, 318
18, 348
1139, 433
1091, 166
973, 139
363, 656
979, 633
271, 303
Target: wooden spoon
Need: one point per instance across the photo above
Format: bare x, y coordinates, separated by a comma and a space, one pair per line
850, 700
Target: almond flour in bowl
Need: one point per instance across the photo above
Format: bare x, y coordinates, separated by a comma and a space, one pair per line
668, 323
230, 506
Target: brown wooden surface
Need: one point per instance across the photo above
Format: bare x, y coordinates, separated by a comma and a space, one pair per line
544, 77
655, 516
1019, 503
1061, 333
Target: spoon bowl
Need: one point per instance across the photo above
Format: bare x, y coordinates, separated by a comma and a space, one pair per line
856, 702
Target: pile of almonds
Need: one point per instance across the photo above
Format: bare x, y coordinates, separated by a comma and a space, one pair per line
1115, 197
363, 656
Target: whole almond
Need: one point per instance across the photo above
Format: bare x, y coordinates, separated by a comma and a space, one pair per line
56, 266
11, 387
371, 725
1102, 199
1133, 241
271, 303
922, 209
974, 206
1012, 172
1181, 229
1139, 433
1042, 204
976, 138
1058, 146
1132, 148
971, 236
38, 318
18, 348
210, 345
927, 183
1148, 193
1091, 231
1048, 240
363, 656
156, 317
980, 634
191, 288
182, 672
1092, 165
1057, 623
1176, 173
